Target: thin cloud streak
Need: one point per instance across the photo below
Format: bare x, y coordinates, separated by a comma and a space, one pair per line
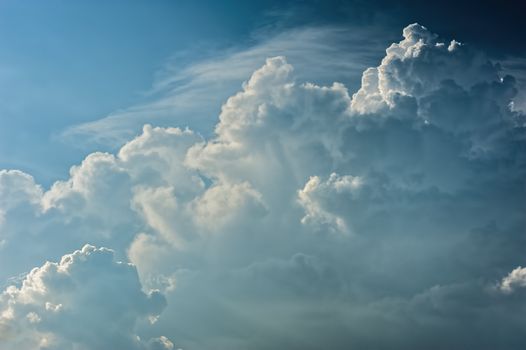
189, 94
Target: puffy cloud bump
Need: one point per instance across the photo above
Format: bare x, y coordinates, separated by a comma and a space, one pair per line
85, 301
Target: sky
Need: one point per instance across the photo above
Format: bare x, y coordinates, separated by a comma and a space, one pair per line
267, 174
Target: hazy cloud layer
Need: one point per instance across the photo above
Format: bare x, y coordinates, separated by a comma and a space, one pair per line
391, 217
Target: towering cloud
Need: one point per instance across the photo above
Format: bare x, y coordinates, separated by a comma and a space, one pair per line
389, 219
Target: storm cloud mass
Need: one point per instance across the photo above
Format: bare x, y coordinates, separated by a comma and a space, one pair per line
390, 217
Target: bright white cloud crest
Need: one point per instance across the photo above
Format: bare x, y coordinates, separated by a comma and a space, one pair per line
320, 199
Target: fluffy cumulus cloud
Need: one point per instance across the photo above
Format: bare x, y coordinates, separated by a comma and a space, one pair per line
387, 218
85, 301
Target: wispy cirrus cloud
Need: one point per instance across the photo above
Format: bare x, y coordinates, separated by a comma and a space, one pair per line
188, 90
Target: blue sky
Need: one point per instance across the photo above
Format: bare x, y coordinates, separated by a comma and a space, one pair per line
236, 175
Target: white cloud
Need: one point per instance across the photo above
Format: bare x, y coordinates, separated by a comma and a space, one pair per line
515, 279
161, 343
97, 190
222, 204
85, 301
16, 188
416, 66
320, 198
19, 194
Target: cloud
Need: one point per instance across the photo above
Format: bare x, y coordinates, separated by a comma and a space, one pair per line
445, 84
515, 279
316, 196
85, 301
418, 65
16, 188
311, 216
161, 343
